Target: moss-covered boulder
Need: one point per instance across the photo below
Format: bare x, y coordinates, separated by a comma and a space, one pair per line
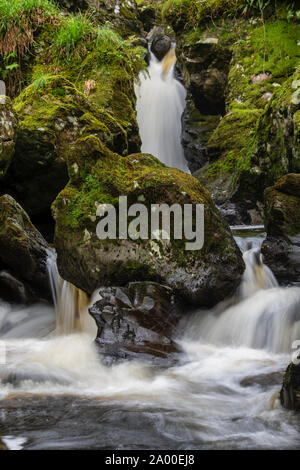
281, 248
78, 87
8, 127
22, 248
100, 176
290, 392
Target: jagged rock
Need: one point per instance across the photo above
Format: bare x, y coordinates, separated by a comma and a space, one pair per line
8, 127
290, 392
205, 69
202, 276
281, 249
160, 45
137, 321
22, 247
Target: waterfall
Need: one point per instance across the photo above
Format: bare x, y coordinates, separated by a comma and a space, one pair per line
159, 107
262, 316
71, 303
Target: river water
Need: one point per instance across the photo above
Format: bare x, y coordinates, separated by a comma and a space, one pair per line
223, 394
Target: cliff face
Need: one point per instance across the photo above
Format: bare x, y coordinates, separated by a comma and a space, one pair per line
240, 68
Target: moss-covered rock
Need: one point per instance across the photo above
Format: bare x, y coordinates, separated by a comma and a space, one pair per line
87, 90
281, 248
100, 176
277, 149
22, 247
290, 392
8, 127
257, 141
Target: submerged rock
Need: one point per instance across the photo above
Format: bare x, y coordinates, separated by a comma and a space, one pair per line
202, 276
137, 321
8, 128
290, 392
22, 248
281, 249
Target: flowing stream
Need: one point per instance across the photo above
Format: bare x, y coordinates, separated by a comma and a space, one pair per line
223, 394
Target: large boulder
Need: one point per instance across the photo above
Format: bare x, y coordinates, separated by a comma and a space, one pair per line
23, 250
137, 321
8, 128
281, 249
98, 176
290, 392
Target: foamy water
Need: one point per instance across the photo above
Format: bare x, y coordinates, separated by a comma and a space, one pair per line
223, 394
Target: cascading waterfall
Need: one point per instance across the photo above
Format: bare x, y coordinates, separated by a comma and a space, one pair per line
71, 303
159, 107
263, 315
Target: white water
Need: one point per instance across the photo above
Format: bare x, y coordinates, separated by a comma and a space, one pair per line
200, 403
159, 107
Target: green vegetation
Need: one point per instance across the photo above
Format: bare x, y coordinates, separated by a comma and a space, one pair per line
8, 65
19, 19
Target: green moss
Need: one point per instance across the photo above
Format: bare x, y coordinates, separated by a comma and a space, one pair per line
100, 176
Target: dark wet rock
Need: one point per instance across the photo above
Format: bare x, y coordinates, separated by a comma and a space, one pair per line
281, 249
205, 68
16, 378
22, 248
8, 128
263, 380
36, 173
196, 130
290, 392
147, 16
137, 321
202, 276
160, 45
14, 290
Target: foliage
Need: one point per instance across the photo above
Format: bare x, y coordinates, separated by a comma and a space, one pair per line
8, 65
19, 19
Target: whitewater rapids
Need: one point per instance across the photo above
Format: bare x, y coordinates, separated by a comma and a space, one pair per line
224, 394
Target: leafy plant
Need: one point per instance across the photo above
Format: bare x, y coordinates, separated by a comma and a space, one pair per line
8, 66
